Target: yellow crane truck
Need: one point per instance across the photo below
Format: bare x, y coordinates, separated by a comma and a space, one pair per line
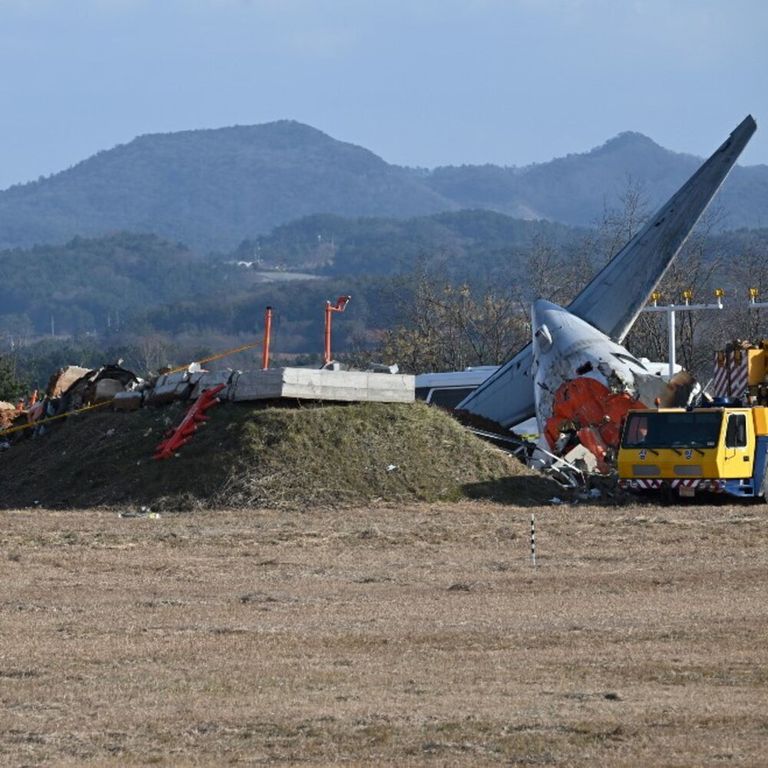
721, 448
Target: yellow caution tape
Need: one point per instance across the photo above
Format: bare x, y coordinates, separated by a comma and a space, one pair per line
37, 423
218, 356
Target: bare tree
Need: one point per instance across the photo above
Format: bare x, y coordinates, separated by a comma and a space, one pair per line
618, 225
693, 271
559, 275
548, 274
446, 327
749, 271
152, 353
15, 331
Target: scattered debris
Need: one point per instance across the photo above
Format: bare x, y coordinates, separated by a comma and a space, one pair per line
74, 389
141, 512
63, 379
131, 400
587, 409
7, 414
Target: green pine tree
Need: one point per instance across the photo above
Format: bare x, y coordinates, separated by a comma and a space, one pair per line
10, 386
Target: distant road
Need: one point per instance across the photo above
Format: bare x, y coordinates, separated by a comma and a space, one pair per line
284, 277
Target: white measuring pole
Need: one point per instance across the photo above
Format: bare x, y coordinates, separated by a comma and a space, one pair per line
533, 541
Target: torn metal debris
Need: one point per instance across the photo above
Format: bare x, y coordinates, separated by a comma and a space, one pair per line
112, 386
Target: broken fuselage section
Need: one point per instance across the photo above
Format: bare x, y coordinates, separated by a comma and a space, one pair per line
585, 383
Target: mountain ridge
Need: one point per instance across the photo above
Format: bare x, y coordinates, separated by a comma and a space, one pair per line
213, 188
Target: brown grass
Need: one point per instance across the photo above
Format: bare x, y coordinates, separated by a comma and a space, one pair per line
385, 635
254, 455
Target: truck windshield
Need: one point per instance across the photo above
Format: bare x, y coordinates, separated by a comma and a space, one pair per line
688, 429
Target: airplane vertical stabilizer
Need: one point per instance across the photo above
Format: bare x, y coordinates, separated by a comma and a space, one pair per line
615, 297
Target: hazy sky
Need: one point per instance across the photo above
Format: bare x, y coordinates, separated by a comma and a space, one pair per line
419, 82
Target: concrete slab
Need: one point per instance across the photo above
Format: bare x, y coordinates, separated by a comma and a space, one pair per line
318, 384
211, 379
170, 387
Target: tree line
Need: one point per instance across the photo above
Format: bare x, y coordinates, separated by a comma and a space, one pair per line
440, 293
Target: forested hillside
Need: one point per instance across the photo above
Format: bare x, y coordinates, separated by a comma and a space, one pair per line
212, 189
92, 285
89, 285
577, 188
155, 302
470, 244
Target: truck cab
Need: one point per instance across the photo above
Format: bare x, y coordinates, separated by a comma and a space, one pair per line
720, 449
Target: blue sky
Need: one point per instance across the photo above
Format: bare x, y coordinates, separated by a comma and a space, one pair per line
419, 82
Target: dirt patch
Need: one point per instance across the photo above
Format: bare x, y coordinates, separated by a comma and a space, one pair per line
250, 455
385, 634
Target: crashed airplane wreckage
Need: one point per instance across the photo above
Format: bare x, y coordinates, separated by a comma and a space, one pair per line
588, 408
74, 390
578, 353
70, 389
575, 376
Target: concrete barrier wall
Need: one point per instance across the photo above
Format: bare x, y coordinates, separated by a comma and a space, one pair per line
318, 384
292, 383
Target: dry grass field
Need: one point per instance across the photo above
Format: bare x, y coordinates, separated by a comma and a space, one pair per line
386, 635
